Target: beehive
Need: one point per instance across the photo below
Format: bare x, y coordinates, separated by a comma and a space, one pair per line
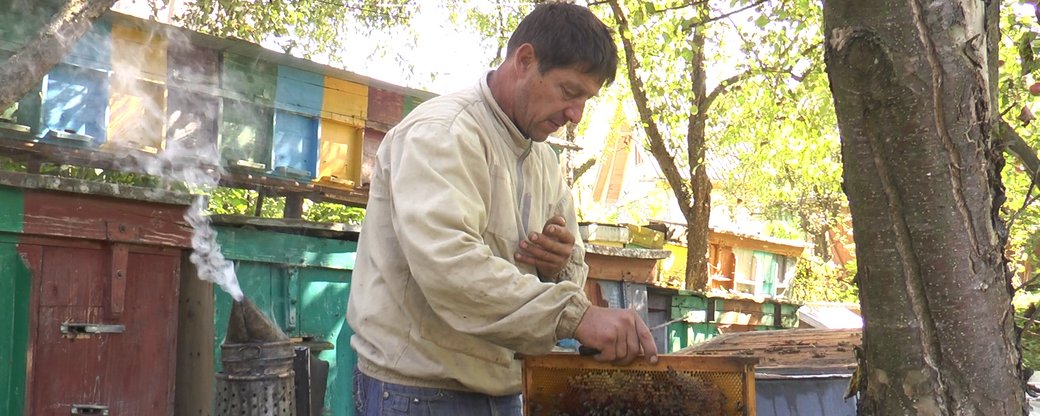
552, 381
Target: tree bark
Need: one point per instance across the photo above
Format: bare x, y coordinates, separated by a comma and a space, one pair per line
698, 216
912, 92
32, 61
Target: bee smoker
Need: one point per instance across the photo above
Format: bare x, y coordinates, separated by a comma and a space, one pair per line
257, 378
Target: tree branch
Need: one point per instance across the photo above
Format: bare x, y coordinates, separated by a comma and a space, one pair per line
656, 139
1014, 144
727, 14
724, 86
580, 170
32, 61
680, 6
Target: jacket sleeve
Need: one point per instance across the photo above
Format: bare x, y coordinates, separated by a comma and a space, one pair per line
441, 188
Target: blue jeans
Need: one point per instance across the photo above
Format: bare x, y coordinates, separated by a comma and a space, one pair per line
373, 397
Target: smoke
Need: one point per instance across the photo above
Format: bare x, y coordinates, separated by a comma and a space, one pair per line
208, 260
190, 155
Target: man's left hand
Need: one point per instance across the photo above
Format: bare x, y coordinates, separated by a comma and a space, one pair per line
550, 250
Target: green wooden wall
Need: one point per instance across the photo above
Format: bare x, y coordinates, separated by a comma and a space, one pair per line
302, 283
14, 305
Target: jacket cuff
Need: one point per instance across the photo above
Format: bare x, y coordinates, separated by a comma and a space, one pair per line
571, 317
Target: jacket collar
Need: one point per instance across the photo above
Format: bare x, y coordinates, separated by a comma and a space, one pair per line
516, 140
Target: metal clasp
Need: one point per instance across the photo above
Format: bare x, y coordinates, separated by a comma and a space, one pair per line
89, 409
77, 329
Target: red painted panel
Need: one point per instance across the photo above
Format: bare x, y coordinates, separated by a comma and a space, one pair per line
117, 274
130, 372
139, 367
65, 370
104, 218
386, 107
373, 138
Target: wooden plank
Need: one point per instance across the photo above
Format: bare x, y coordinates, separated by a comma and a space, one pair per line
191, 64
798, 351
621, 268
94, 49
16, 297
373, 138
249, 78
297, 250
11, 209
386, 107
194, 383
138, 372
89, 217
36, 153
345, 101
117, 280
64, 370
299, 91
139, 54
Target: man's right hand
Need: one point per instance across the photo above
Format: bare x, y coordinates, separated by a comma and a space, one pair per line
619, 334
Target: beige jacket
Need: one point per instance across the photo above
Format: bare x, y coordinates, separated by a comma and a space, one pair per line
436, 299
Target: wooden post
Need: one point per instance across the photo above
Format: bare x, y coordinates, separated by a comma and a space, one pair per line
293, 206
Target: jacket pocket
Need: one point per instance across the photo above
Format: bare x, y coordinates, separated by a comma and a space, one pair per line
439, 333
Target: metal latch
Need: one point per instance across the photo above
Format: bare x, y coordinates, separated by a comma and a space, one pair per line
89, 409
74, 329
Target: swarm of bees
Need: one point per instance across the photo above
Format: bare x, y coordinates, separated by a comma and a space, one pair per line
632, 393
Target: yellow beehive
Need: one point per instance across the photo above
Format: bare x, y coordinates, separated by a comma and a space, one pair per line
548, 380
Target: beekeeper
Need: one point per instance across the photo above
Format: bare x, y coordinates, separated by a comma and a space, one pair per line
468, 251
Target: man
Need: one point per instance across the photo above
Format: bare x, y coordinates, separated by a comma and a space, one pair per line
468, 252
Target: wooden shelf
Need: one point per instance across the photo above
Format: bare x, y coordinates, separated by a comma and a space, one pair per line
37, 153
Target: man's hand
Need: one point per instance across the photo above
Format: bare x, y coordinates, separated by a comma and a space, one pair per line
550, 250
619, 334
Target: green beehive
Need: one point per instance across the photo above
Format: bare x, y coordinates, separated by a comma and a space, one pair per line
302, 283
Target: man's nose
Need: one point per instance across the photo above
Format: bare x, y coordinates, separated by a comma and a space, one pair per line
573, 112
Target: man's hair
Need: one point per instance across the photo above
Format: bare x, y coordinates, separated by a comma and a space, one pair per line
566, 35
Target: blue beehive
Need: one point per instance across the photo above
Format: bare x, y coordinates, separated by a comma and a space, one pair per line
295, 144
298, 100
74, 103
75, 93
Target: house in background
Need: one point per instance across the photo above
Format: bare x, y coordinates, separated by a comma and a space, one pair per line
737, 263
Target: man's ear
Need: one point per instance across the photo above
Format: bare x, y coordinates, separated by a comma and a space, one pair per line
525, 57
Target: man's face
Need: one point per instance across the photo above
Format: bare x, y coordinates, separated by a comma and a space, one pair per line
546, 102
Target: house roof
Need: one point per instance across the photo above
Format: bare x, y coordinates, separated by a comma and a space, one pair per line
676, 233
788, 353
831, 315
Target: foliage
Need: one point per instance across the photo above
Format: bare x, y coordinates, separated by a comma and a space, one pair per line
308, 27
235, 201
1018, 71
1025, 309
817, 280
778, 150
330, 212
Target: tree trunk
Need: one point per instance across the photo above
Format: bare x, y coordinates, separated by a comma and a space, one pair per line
698, 216
912, 92
44, 50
